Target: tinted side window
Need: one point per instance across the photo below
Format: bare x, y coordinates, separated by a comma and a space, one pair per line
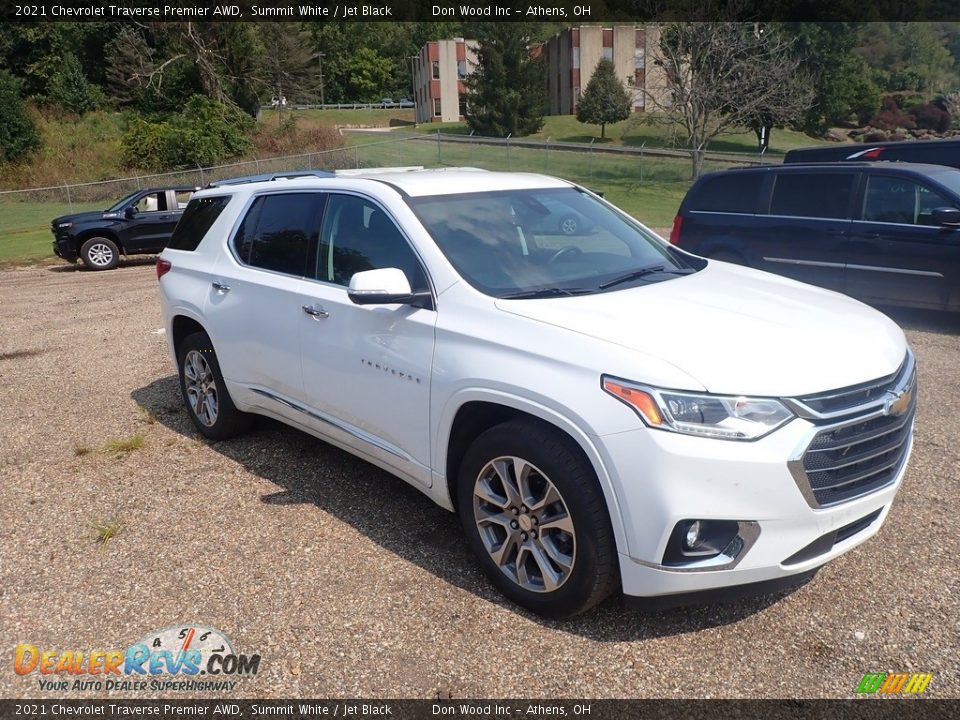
277, 231
733, 192
357, 236
814, 195
196, 221
899, 200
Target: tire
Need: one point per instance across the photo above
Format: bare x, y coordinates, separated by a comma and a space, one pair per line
204, 393
728, 256
100, 253
558, 572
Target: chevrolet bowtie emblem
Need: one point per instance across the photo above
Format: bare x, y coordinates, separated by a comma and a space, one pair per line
898, 403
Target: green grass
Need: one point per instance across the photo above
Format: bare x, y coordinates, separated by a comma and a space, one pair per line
635, 133
26, 232
122, 446
106, 530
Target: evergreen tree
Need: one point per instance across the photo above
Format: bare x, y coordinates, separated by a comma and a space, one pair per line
18, 133
70, 90
507, 93
605, 99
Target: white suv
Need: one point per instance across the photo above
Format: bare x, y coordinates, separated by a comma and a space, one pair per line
602, 410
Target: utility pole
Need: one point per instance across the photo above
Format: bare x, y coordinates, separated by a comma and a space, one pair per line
320, 64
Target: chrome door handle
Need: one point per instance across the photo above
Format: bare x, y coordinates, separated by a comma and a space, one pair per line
220, 287
316, 312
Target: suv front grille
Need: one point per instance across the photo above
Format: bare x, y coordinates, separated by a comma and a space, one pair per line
865, 451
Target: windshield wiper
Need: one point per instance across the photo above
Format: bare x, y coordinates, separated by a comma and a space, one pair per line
641, 273
545, 293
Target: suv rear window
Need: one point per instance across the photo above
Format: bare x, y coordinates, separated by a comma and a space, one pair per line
813, 195
728, 192
197, 219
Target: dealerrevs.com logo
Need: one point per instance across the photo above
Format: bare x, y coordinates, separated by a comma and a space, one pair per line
182, 657
901, 683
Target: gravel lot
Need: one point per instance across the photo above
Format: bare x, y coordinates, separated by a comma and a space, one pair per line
349, 583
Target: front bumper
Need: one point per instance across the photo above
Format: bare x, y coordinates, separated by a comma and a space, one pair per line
662, 478
64, 248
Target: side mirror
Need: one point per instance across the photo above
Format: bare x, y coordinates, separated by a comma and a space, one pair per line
385, 286
130, 212
946, 217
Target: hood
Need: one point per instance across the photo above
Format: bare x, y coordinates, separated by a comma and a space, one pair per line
737, 331
95, 215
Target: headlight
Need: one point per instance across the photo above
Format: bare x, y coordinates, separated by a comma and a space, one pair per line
65, 225
717, 416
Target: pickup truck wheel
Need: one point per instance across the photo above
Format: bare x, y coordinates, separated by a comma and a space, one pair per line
204, 392
535, 516
100, 253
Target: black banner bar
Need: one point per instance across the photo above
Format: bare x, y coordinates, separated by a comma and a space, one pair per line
570, 11
918, 708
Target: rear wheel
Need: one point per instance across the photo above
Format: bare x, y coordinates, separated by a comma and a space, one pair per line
204, 392
535, 517
100, 253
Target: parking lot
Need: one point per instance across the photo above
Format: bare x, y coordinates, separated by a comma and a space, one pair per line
349, 583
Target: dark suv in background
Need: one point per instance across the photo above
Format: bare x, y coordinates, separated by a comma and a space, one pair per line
935, 152
139, 224
881, 232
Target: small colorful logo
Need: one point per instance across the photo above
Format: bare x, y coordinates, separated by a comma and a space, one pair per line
894, 683
187, 651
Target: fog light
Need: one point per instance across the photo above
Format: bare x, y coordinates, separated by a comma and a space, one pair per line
692, 538
695, 540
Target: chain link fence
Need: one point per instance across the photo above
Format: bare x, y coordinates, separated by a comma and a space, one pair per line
625, 175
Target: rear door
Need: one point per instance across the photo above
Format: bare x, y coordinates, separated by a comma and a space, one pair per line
896, 254
808, 225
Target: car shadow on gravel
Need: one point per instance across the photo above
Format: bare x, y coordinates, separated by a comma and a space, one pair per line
382, 507
136, 261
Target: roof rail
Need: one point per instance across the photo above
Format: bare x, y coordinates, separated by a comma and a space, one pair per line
265, 177
376, 170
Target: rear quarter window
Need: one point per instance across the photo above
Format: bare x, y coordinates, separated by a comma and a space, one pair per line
732, 193
813, 195
197, 219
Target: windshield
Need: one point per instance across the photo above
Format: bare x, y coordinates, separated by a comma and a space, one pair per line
116, 207
540, 243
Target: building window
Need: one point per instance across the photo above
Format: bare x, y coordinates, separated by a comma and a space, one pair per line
639, 59
436, 69
464, 110
608, 53
436, 107
576, 57
461, 69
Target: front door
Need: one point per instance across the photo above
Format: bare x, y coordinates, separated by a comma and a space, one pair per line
896, 253
366, 368
150, 228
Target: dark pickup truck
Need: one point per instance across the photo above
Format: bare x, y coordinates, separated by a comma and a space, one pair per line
139, 224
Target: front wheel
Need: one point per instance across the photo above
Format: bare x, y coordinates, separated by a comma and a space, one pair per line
535, 517
100, 253
204, 392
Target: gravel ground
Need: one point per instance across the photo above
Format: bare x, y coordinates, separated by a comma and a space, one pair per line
350, 583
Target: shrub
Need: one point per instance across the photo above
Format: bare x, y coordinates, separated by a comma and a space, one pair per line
930, 117
203, 134
891, 116
18, 133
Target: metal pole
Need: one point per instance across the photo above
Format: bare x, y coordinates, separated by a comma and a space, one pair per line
439, 158
590, 161
202, 183
69, 201
509, 135
320, 63
641, 162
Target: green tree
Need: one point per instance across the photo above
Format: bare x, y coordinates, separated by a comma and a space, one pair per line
843, 88
605, 99
368, 75
70, 90
506, 93
18, 133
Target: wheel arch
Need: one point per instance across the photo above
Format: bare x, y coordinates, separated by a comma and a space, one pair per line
181, 326
85, 235
474, 415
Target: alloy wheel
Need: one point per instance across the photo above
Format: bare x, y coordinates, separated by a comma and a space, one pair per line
201, 388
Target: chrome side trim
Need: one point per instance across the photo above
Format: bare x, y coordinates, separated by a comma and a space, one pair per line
898, 271
815, 263
356, 432
745, 539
